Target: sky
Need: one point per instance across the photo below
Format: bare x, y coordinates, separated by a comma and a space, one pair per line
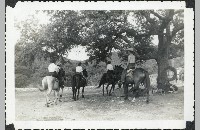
77, 53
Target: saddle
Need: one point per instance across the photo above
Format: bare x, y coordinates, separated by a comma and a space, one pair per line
129, 72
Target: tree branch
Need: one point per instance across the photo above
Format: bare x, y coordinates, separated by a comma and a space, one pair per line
157, 15
178, 28
178, 11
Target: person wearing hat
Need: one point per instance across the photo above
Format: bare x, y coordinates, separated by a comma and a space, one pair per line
131, 58
131, 62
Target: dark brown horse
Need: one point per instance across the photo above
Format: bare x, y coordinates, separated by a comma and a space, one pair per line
137, 77
111, 79
79, 81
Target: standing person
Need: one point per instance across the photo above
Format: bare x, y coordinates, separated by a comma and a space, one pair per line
130, 64
53, 69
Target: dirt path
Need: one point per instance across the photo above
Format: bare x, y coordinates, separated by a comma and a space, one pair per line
30, 106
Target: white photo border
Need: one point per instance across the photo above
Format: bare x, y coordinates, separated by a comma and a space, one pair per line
153, 124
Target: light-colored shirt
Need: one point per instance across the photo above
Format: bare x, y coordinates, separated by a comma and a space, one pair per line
52, 67
131, 58
79, 69
109, 67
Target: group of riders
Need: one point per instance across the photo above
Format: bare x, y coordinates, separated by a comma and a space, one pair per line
129, 76
55, 70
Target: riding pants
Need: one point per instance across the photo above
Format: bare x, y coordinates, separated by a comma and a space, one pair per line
124, 73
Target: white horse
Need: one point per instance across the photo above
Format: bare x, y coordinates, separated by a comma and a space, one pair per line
50, 83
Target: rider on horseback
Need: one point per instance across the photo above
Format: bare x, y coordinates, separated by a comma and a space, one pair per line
79, 71
110, 70
130, 64
53, 69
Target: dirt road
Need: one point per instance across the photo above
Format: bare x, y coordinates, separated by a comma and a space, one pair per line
30, 106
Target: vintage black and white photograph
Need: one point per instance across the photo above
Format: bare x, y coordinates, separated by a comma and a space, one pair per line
110, 64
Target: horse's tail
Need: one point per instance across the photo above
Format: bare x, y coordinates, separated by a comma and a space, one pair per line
103, 78
44, 84
75, 81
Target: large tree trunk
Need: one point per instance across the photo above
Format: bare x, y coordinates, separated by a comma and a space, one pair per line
162, 60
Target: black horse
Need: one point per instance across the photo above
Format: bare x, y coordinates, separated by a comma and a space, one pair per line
79, 81
111, 79
137, 77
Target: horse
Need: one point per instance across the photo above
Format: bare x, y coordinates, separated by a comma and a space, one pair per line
111, 79
137, 77
52, 84
79, 81
61, 79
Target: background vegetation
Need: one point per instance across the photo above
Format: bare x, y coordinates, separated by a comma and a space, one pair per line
102, 33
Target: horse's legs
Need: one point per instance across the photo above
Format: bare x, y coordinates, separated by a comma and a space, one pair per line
75, 90
107, 88
60, 95
146, 91
61, 92
136, 87
112, 88
47, 96
78, 93
103, 89
57, 97
74, 93
83, 92
125, 85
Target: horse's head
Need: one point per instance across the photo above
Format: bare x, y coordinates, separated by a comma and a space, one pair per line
85, 73
118, 69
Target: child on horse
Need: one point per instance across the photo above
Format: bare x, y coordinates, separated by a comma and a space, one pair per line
109, 68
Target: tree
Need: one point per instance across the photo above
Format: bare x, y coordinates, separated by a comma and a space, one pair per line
104, 31
169, 22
